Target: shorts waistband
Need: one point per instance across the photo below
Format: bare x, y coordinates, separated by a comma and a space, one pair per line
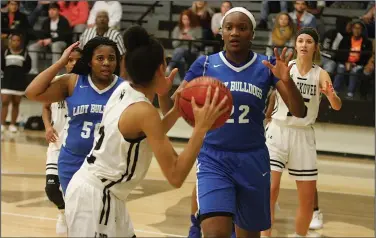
282, 124
90, 178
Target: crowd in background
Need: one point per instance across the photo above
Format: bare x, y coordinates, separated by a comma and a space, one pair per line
347, 50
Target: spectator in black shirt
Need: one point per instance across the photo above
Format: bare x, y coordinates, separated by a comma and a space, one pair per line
56, 33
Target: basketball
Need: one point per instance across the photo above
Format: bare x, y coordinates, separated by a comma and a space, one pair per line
197, 88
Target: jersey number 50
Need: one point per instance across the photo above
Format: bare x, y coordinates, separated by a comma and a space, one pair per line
242, 118
87, 127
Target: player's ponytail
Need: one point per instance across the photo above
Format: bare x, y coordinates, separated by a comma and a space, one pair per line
144, 55
82, 65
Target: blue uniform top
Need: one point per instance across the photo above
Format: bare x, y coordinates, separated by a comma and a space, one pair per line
85, 110
249, 85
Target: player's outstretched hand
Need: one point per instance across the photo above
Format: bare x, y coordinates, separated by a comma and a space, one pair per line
281, 69
65, 56
168, 83
51, 135
328, 89
208, 114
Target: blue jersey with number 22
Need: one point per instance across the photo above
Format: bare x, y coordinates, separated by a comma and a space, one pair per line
249, 85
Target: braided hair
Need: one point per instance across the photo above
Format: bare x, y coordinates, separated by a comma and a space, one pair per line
82, 66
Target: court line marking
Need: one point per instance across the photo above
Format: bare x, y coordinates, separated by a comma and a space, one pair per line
54, 219
187, 181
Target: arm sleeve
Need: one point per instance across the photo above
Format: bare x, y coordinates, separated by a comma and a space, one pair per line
196, 69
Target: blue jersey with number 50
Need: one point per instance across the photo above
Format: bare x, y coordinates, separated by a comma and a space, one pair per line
249, 85
85, 110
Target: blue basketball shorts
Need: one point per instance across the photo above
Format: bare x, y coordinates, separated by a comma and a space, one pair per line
68, 164
235, 184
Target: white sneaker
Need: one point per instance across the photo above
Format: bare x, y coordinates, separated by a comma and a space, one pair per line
13, 128
61, 224
317, 221
313, 234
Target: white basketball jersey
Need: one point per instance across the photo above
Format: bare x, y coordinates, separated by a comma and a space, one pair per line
309, 87
59, 114
119, 163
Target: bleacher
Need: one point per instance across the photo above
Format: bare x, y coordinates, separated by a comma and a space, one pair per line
160, 17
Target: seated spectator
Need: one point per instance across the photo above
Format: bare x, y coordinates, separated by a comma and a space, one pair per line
216, 24
76, 13
187, 29
40, 9
15, 64
354, 61
13, 21
331, 41
56, 34
282, 35
263, 24
369, 19
114, 9
102, 28
217, 17
205, 13
301, 17
316, 8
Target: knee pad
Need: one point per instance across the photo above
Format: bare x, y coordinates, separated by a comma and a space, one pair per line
53, 191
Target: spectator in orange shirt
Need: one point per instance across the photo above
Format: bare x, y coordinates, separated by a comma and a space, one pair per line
354, 61
77, 14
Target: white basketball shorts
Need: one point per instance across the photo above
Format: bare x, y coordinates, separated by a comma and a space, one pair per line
93, 211
294, 147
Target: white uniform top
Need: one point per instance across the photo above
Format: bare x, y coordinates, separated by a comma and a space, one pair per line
119, 163
59, 118
309, 87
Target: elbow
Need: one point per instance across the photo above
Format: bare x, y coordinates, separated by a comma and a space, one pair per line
337, 107
176, 182
301, 113
29, 95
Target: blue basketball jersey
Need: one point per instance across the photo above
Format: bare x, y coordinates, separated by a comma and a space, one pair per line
85, 110
249, 85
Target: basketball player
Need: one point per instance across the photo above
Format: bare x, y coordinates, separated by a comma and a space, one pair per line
317, 218
233, 171
291, 140
86, 91
54, 117
130, 131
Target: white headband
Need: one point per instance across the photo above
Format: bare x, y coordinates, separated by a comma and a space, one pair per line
242, 10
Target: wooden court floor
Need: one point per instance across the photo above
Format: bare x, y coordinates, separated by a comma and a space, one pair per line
346, 196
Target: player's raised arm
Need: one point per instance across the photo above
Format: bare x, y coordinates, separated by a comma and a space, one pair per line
326, 88
176, 167
196, 70
286, 86
41, 89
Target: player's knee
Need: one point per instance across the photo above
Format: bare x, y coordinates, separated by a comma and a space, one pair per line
218, 226
218, 232
54, 194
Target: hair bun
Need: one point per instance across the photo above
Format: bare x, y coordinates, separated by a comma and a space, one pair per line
135, 37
